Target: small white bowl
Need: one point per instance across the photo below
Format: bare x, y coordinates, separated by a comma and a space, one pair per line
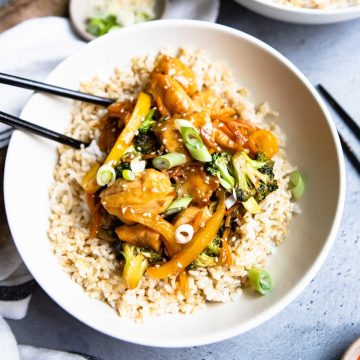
301, 15
79, 11
313, 145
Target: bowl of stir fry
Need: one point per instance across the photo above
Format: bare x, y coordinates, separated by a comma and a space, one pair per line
198, 210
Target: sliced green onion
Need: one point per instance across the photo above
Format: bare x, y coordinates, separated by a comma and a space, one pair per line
260, 280
296, 185
169, 160
137, 165
106, 175
183, 123
251, 206
148, 122
128, 175
178, 205
194, 144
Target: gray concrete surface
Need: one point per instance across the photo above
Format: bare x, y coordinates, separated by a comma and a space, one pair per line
325, 318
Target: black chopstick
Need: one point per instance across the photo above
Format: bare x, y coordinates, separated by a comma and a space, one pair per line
23, 125
349, 153
349, 121
52, 89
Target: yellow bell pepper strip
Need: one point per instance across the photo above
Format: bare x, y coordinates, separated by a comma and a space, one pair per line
89, 183
158, 224
126, 137
183, 283
141, 109
191, 250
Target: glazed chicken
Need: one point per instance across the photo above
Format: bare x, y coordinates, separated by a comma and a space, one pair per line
173, 67
151, 192
170, 96
195, 182
139, 235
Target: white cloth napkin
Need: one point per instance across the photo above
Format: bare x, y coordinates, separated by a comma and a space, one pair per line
32, 49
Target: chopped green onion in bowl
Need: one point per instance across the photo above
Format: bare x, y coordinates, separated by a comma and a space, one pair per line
107, 16
260, 280
296, 185
169, 160
106, 175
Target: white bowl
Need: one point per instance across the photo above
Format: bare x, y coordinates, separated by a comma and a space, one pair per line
80, 11
313, 145
301, 15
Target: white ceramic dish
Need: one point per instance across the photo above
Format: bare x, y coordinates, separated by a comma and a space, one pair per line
80, 10
300, 15
312, 145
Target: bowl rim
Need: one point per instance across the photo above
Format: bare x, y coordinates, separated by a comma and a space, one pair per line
272, 309
305, 11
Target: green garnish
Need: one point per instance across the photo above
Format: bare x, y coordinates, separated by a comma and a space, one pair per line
128, 175
260, 280
148, 122
178, 205
296, 185
169, 160
194, 144
106, 175
98, 26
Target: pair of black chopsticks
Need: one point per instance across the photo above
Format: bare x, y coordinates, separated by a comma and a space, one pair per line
20, 124
349, 121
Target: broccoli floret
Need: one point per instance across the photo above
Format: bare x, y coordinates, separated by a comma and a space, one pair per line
205, 260
136, 259
148, 122
151, 255
220, 166
213, 248
254, 177
208, 257
135, 265
146, 143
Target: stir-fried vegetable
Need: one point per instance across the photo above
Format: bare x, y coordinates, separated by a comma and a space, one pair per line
137, 260
296, 185
127, 135
178, 205
263, 141
254, 179
168, 161
260, 280
220, 166
194, 144
193, 249
89, 183
106, 175
148, 122
128, 175
135, 266
124, 140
